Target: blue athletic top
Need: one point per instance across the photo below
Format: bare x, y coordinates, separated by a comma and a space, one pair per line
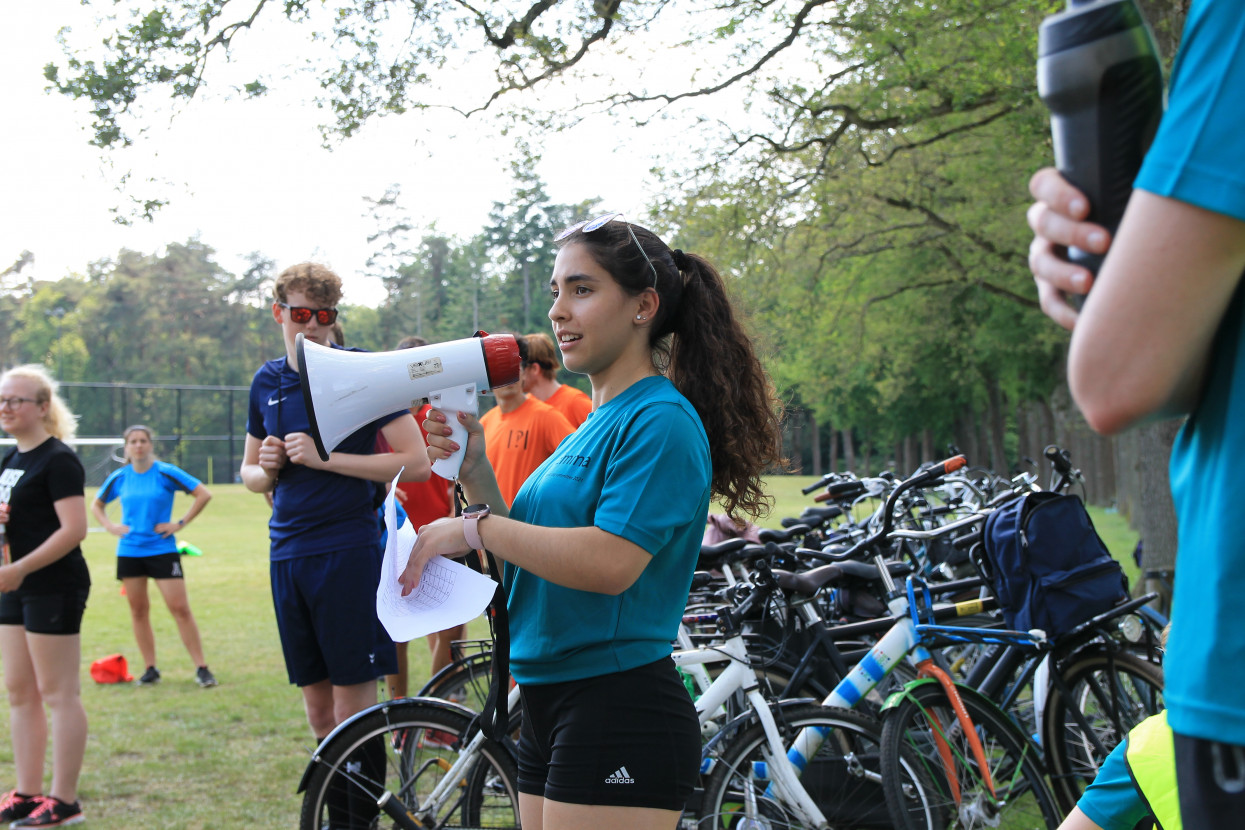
1111, 801
314, 511
1197, 158
637, 468
146, 501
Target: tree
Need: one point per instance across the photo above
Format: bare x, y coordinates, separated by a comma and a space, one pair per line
808, 75
519, 238
859, 166
389, 259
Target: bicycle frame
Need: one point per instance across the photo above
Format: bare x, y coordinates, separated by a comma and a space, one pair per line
739, 675
445, 789
448, 786
902, 641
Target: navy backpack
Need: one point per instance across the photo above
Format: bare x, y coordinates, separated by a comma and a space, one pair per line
1049, 568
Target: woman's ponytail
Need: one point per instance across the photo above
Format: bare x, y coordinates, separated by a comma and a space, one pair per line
710, 359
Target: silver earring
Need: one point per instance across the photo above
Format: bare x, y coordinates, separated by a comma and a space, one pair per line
639, 317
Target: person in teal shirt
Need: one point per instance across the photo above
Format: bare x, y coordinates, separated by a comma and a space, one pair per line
601, 542
1162, 335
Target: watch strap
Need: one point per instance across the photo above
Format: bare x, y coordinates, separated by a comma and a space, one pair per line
471, 530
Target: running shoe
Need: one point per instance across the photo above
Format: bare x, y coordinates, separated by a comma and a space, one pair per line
52, 812
205, 678
14, 805
150, 677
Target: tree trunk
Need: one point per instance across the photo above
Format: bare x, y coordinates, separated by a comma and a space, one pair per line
1024, 448
967, 438
795, 440
1145, 500
849, 451
814, 434
927, 445
994, 426
527, 296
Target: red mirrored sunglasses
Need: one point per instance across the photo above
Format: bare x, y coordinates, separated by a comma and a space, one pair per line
301, 314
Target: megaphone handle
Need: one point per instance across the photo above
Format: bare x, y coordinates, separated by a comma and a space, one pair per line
448, 468
452, 401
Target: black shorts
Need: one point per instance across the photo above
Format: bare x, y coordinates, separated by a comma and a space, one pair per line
1210, 778
629, 739
160, 566
44, 613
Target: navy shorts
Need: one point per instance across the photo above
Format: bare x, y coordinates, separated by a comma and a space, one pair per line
1210, 778
629, 739
160, 566
326, 615
44, 613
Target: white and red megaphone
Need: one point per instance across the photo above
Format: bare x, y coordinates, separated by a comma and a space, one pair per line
345, 390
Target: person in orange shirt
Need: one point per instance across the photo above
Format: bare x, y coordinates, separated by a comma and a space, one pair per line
520, 432
540, 379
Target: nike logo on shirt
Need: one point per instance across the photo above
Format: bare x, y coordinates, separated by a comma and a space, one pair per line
272, 402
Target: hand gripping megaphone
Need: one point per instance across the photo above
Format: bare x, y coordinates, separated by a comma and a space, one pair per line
345, 390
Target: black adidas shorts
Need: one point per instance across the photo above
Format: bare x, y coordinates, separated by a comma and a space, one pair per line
160, 566
629, 739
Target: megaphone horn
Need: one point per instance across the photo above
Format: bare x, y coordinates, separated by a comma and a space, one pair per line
345, 390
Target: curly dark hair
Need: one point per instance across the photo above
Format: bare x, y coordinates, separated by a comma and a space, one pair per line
700, 344
319, 283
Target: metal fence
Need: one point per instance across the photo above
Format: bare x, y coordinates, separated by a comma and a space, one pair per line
201, 429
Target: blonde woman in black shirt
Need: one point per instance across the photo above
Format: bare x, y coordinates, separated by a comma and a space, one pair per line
44, 584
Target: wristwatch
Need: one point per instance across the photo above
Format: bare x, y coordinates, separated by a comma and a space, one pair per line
472, 515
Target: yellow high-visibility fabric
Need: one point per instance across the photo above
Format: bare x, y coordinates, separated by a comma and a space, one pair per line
1151, 758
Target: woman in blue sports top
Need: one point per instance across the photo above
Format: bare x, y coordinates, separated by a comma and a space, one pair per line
147, 548
602, 539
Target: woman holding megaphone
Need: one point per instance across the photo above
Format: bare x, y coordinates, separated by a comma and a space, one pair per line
602, 539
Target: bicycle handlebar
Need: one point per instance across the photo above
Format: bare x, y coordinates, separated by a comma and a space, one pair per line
819, 483
1059, 458
842, 490
931, 473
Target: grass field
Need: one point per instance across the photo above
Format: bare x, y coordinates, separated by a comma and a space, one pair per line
175, 755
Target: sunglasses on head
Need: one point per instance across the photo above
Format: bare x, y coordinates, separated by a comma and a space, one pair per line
301, 314
590, 225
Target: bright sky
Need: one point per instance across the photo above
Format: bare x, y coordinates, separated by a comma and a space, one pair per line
251, 176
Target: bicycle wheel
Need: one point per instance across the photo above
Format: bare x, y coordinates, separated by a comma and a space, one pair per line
405, 747
465, 681
1113, 693
843, 778
925, 726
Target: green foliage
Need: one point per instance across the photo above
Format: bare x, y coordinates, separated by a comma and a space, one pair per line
519, 242
882, 244
867, 206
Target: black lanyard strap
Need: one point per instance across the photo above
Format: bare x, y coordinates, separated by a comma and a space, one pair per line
494, 717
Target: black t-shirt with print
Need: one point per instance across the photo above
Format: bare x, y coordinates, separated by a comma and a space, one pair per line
32, 482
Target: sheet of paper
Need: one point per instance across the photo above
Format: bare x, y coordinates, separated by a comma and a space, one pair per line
449, 593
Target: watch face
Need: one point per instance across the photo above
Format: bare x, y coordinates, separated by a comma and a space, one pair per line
476, 510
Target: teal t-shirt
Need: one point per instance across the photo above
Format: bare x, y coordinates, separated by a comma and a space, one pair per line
1197, 158
637, 468
1112, 801
146, 501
